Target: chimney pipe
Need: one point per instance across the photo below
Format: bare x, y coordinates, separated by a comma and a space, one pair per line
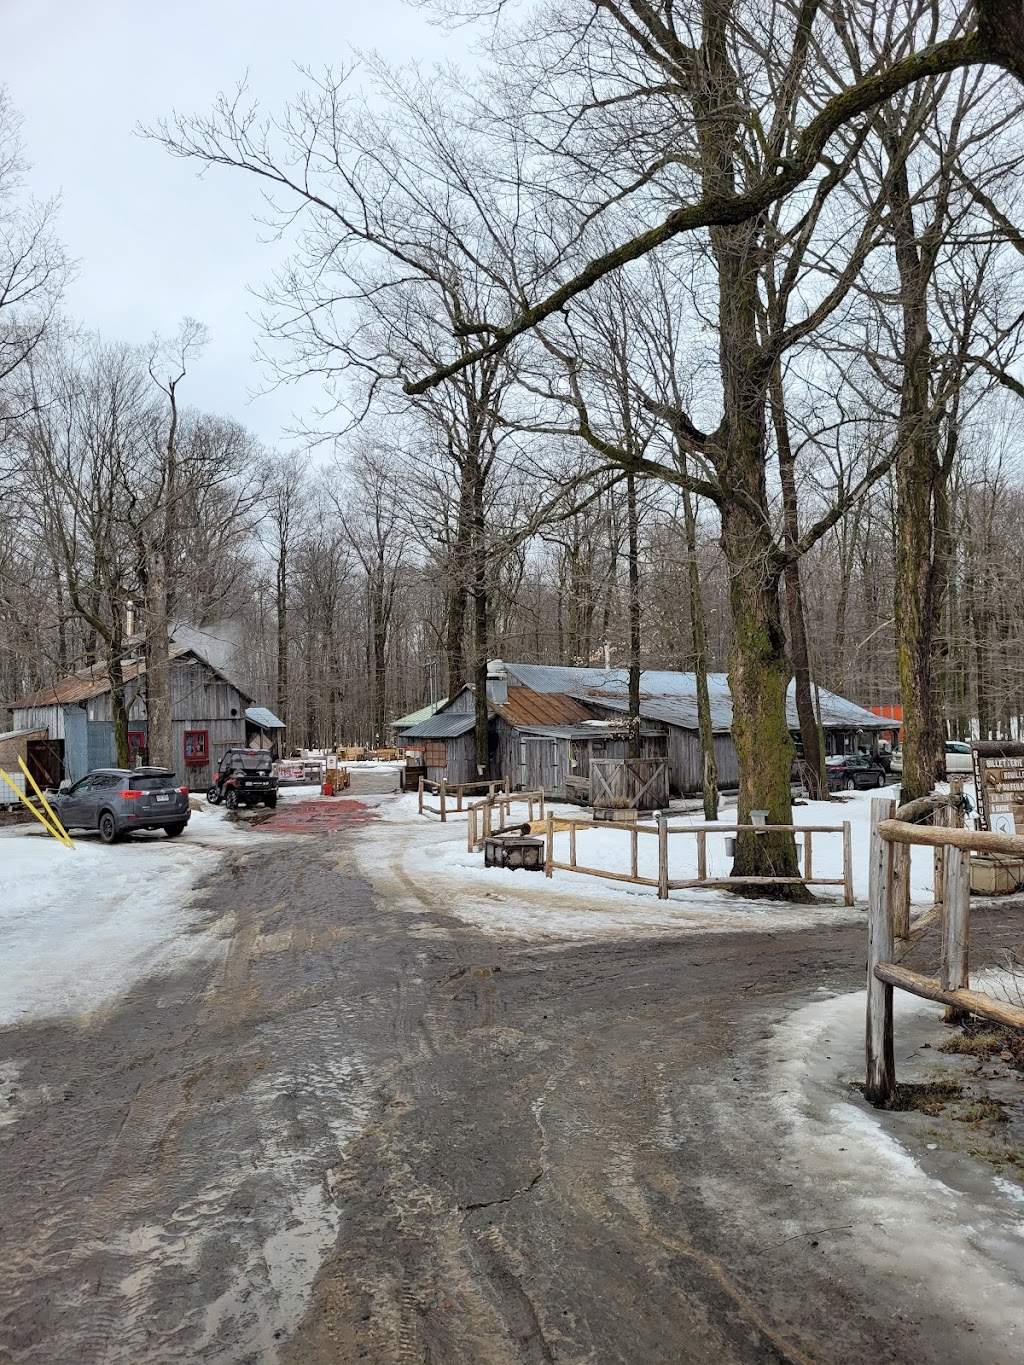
607, 655
129, 618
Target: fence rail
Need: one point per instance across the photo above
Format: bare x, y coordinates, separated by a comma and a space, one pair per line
444, 791
663, 830
891, 932
480, 823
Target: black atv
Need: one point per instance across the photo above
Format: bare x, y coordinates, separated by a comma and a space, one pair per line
244, 777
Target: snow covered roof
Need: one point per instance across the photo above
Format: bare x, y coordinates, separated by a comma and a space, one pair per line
445, 725
94, 681
671, 697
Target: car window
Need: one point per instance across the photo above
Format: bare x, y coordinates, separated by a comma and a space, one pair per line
104, 781
953, 748
153, 782
82, 786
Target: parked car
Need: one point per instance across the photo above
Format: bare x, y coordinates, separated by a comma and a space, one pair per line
119, 801
854, 771
244, 777
959, 759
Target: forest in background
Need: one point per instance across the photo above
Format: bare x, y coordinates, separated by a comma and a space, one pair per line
774, 430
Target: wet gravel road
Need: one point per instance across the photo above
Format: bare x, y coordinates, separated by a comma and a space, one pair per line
356, 1132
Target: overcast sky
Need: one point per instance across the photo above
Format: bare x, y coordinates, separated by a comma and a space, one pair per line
155, 242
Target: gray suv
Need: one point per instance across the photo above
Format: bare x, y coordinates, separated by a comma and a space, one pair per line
117, 801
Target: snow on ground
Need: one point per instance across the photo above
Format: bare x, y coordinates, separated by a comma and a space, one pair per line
78, 927
945, 1228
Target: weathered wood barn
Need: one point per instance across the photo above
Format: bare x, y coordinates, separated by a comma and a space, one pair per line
72, 721
547, 723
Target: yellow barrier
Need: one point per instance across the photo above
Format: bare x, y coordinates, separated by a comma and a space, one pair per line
56, 829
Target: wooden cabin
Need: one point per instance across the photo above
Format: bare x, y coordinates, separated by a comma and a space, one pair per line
209, 713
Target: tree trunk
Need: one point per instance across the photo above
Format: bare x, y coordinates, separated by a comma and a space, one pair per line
118, 700
814, 767
633, 528
158, 661
481, 731
281, 604
709, 764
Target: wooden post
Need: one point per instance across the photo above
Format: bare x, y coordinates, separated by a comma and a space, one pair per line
881, 1068
956, 899
471, 830
847, 863
529, 809
572, 841
549, 847
702, 855
941, 818
662, 856
633, 852
541, 815
442, 790
808, 859
901, 890
421, 795
458, 799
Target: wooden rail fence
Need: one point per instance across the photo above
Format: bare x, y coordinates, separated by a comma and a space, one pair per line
480, 824
445, 792
891, 932
662, 830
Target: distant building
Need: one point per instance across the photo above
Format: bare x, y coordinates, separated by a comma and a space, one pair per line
546, 723
72, 728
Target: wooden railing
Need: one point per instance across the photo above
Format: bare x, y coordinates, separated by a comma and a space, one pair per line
663, 830
451, 795
481, 815
891, 932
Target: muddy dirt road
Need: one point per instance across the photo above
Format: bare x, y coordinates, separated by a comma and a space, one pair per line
367, 1133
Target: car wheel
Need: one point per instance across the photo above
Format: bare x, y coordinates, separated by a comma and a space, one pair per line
849, 784
108, 828
213, 795
231, 799
174, 830
881, 780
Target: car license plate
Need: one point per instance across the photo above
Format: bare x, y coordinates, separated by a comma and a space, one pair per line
163, 798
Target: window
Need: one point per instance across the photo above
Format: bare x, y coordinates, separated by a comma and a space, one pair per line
435, 753
83, 786
197, 748
103, 781
136, 743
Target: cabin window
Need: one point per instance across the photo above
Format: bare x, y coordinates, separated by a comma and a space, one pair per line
435, 754
197, 748
136, 743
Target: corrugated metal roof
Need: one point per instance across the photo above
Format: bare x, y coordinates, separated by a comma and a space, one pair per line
93, 682
260, 715
527, 707
24, 734
445, 725
593, 730
414, 717
672, 697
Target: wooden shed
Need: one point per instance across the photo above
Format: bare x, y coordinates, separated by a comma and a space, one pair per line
208, 714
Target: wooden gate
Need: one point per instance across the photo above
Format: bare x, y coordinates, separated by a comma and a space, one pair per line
629, 783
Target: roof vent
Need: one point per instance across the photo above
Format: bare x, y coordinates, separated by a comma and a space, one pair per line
496, 668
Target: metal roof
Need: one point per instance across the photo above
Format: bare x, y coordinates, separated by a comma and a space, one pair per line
93, 681
672, 697
414, 717
24, 734
260, 715
527, 707
445, 725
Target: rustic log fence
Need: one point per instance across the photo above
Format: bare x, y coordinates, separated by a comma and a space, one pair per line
891, 932
451, 796
662, 830
480, 823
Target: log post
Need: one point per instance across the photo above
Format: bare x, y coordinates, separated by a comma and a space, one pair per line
808, 857
572, 842
702, 856
633, 838
443, 789
421, 794
847, 863
941, 818
458, 799
662, 856
541, 815
881, 1068
487, 820
901, 890
956, 928
549, 846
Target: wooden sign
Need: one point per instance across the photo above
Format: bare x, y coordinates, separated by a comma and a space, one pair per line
999, 783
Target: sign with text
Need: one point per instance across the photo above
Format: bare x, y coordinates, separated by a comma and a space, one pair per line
999, 783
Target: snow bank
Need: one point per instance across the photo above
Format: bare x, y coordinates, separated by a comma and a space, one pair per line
79, 926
